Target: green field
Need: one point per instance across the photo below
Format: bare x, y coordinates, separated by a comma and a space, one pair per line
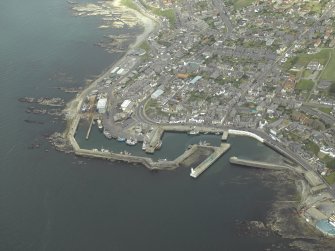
305, 84
145, 46
306, 74
330, 162
312, 147
329, 72
239, 4
325, 110
168, 13
330, 178
312, 7
130, 4
322, 57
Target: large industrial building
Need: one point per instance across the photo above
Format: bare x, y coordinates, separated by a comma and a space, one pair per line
127, 105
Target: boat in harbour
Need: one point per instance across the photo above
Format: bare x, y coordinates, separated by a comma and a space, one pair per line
159, 144
99, 122
121, 139
131, 141
107, 134
104, 150
144, 145
193, 132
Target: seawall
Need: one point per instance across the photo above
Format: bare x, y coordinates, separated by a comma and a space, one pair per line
246, 133
256, 164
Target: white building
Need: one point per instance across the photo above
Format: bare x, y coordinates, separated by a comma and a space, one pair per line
126, 105
328, 151
102, 105
157, 93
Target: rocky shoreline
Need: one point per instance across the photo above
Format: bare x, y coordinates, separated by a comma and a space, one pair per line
284, 219
43, 101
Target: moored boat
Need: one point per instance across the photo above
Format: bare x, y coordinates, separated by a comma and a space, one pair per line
144, 145
158, 146
107, 134
131, 141
99, 122
193, 132
121, 139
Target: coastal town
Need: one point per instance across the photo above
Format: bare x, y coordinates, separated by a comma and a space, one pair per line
263, 69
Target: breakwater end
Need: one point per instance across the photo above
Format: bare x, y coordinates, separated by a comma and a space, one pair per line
203, 166
256, 164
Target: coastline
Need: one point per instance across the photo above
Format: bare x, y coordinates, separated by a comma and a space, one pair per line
148, 23
72, 108
73, 117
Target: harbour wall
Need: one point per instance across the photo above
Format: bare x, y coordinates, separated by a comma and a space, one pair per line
280, 151
257, 164
246, 133
187, 128
203, 166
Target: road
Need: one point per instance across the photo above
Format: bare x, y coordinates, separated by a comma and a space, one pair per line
287, 152
223, 15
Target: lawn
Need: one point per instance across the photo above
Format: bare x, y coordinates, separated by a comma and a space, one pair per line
322, 57
329, 72
330, 162
130, 4
312, 147
239, 4
305, 84
145, 46
307, 73
313, 7
168, 13
330, 178
326, 109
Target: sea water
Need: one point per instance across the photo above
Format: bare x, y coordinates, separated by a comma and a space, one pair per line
53, 201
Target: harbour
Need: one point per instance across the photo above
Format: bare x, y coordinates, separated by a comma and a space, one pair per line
102, 204
217, 153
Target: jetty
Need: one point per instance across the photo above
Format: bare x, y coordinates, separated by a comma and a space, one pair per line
225, 135
204, 165
246, 133
154, 140
89, 129
257, 164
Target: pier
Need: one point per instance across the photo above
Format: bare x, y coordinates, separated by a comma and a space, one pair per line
257, 164
186, 128
246, 133
89, 129
154, 140
224, 135
195, 172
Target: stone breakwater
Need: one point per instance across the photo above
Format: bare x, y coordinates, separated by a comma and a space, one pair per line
146, 161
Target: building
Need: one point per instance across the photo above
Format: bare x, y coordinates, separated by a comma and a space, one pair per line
102, 105
115, 70
157, 93
126, 105
195, 80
